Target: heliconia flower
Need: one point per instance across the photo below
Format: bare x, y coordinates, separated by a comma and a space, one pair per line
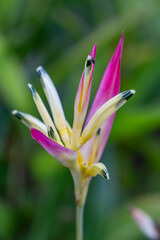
79, 148
146, 224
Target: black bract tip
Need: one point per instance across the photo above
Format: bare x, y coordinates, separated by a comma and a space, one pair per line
104, 174
127, 95
88, 63
18, 115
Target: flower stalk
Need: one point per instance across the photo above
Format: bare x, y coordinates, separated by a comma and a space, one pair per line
79, 221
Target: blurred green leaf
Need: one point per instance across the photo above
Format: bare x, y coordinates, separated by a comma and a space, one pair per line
103, 35
13, 80
44, 166
7, 219
136, 121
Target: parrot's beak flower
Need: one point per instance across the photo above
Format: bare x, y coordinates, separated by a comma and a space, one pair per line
79, 148
146, 224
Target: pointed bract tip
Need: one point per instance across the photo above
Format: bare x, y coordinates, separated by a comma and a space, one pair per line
17, 114
105, 174
122, 36
14, 112
29, 85
93, 52
128, 94
95, 46
33, 91
120, 46
118, 52
40, 70
133, 91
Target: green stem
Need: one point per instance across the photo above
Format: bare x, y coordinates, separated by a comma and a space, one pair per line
79, 222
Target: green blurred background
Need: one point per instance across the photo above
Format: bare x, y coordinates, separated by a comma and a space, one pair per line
36, 193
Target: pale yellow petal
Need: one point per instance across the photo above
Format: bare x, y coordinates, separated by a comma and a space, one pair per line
104, 112
55, 104
98, 168
44, 114
30, 121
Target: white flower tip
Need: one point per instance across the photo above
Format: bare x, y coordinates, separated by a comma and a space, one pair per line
17, 114
40, 70
89, 57
133, 91
29, 85
88, 61
14, 112
33, 91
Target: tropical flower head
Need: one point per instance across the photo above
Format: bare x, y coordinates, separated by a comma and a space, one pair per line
79, 148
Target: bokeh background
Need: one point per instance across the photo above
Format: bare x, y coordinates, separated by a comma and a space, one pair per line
36, 192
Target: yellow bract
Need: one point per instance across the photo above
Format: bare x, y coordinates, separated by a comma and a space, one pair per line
98, 168
55, 105
44, 113
104, 112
